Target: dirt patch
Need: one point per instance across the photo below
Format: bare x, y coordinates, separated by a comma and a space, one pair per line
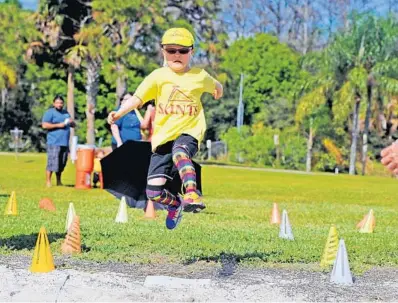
76, 280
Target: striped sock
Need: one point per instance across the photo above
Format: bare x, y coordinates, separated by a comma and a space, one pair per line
160, 195
185, 169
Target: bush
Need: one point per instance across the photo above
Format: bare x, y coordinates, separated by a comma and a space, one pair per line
294, 150
256, 146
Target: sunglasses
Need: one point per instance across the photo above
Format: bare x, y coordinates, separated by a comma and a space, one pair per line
173, 51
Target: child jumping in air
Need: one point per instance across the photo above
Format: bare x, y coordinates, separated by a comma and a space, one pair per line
179, 124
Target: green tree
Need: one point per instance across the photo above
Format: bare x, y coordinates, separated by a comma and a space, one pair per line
133, 29
358, 63
59, 21
15, 30
273, 78
368, 53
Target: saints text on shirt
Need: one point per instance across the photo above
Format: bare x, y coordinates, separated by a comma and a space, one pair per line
178, 103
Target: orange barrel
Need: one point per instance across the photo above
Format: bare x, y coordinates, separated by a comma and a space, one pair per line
84, 166
83, 180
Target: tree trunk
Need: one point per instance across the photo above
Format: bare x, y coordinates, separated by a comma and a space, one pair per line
310, 143
390, 115
366, 130
354, 135
92, 90
71, 99
4, 95
121, 85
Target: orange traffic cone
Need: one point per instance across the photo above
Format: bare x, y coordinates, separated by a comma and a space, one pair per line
72, 243
42, 257
48, 204
150, 210
275, 215
365, 218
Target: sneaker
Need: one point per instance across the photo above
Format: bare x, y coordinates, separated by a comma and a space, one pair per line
174, 216
192, 202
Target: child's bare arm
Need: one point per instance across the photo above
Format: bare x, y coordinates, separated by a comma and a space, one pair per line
218, 92
146, 123
130, 104
116, 134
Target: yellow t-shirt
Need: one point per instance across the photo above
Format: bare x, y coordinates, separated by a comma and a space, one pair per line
177, 96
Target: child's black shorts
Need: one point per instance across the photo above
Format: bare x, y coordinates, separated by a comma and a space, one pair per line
161, 164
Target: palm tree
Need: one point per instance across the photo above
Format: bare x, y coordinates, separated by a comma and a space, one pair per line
124, 23
89, 41
73, 59
379, 58
358, 63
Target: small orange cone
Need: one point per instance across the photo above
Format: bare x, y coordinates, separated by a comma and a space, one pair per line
365, 218
11, 207
47, 204
72, 243
275, 215
42, 257
150, 210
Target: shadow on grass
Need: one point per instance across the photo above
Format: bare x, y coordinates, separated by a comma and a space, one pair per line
27, 241
229, 261
4, 196
65, 185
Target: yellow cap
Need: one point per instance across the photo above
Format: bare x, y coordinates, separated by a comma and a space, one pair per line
178, 36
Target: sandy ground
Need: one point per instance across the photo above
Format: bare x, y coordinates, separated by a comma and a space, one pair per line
76, 280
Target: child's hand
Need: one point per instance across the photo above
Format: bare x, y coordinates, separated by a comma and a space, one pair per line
111, 117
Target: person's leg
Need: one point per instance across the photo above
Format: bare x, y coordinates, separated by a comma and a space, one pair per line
48, 178
59, 182
184, 148
96, 178
158, 174
52, 162
156, 192
62, 159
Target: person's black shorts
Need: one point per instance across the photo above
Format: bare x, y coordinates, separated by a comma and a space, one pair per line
57, 156
161, 164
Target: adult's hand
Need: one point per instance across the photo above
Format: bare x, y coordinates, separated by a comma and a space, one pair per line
389, 157
111, 117
72, 122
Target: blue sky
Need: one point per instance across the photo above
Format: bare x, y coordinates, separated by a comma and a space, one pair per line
378, 4
29, 4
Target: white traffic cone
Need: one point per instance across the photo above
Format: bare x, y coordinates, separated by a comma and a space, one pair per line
69, 217
285, 231
341, 273
121, 216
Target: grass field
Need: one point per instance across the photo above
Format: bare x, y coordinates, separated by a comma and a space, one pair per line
236, 221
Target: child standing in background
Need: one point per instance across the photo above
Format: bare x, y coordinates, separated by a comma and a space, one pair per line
97, 174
